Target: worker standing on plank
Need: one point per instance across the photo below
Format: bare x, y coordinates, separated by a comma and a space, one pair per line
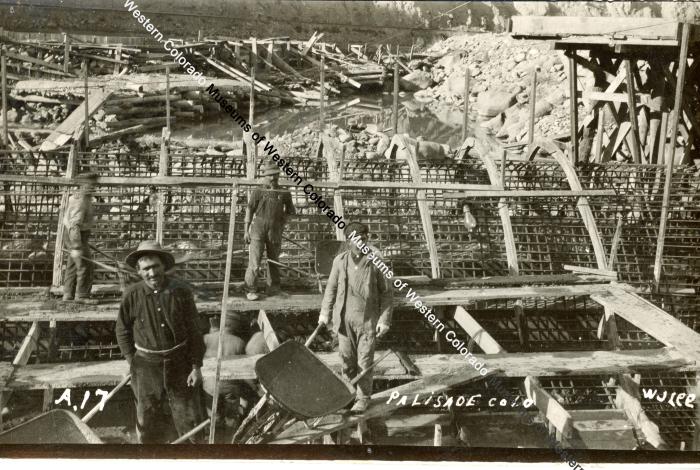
360, 298
78, 220
158, 334
265, 218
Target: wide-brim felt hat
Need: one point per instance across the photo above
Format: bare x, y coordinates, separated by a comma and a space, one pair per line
270, 169
150, 247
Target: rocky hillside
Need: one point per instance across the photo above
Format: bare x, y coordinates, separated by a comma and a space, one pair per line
500, 85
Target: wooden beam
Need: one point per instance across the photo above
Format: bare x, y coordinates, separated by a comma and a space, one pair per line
30, 311
421, 200
652, 320
477, 332
105, 373
268, 332
550, 26
553, 412
28, 346
599, 272
678, 107
627, 399
64, 132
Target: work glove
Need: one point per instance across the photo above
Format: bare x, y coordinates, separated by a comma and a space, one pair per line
323, 320
382, 329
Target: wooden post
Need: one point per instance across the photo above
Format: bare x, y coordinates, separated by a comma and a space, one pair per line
533, 102
395, 108
224, 311
66, 53
573, 107
465, 117
3, 71
503, 168
600, 112
678, 108
86, 127
162, 171
321, 117
252, 148
118, 56
636, 151
57, 278
167, 98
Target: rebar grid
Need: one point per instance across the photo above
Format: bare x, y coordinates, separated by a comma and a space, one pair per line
33, 163
119, 163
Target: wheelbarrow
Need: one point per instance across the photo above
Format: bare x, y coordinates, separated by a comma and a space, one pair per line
298, 386
58, 426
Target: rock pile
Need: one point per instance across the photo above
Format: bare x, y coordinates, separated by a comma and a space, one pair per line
500, 80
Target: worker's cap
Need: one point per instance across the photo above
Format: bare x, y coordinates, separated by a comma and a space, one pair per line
150, 248
270, 169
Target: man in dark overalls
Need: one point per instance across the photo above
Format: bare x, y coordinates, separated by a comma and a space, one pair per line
265, 218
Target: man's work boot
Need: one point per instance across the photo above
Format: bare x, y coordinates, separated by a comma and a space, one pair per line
252, 296
360, 406
86, 301
67, 298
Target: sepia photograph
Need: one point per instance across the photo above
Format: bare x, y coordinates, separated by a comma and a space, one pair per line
435, 231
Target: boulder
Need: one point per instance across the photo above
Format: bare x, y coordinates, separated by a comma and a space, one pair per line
416, 80
492, 102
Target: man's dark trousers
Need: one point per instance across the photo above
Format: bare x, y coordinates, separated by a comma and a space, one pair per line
77, 280
157, 380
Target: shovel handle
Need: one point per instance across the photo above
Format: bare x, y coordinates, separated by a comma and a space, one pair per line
313, 335
97, 407
367, 370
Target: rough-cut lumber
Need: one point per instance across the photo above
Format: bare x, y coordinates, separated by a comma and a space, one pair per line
583, 269
477, 332
268, 332
30, 311
64, 132
627, 399
553, 412
651, 319
28, 345
106, 373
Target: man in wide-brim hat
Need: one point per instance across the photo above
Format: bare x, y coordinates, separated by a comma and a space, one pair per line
265, 218
78, 221
158, 334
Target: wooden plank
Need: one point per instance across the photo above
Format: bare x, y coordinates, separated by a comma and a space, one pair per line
599, 272
28, 346
29, 311
32, 60
553, 412
627, 399
67, 375
504, 214
268, 331
652, 320
421, 199
551, 26
64, 132
477, 332
584, 209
